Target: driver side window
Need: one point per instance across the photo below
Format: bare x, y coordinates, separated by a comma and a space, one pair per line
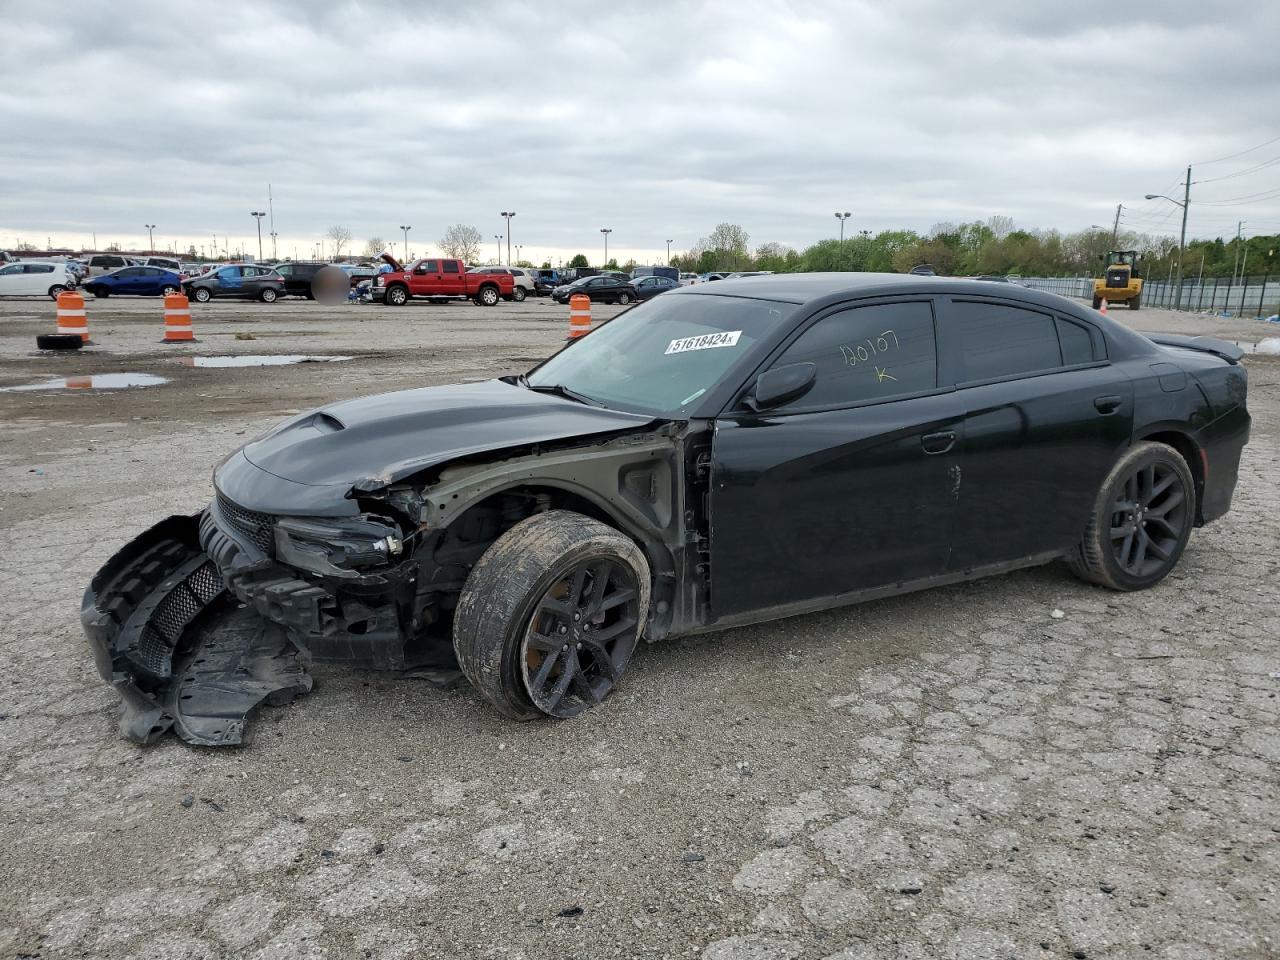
869, 353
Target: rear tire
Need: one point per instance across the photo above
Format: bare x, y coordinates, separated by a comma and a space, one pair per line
1097, 303
487, 297
169, 291
268, 296
555, 574
1136, 303
624, 298
518, 295
1141, 520
59, 341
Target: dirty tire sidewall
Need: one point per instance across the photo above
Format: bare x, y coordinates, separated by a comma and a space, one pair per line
1092, 559
506, 586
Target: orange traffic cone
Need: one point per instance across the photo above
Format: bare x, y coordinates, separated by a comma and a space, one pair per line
1103, 308
177, 319
72, 318
579, 316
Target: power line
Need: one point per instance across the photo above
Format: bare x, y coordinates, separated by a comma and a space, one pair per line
1241, 173
1268, 194
1240, 154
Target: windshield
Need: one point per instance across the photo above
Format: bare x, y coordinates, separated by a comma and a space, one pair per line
662, 357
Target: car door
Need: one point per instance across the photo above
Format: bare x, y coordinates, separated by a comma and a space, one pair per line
451, 281
229, 281
1046, 417
13, 280
853, 486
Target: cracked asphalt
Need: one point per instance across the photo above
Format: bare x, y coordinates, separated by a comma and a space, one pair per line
958, 773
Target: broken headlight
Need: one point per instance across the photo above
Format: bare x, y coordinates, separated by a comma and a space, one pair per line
337, 548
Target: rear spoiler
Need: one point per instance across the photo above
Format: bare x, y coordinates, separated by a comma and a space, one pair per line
1228, 351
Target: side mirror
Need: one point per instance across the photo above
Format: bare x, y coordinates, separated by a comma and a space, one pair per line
782, 385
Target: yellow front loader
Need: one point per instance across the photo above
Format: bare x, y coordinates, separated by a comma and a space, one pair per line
1120, 282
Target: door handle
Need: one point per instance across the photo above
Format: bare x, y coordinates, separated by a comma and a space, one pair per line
939, 442
1108, 404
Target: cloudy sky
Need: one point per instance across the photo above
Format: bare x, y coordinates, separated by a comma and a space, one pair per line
657, 120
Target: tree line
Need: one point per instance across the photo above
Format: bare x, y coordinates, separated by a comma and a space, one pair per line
991, 247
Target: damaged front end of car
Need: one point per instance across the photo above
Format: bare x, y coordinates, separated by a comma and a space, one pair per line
203, 619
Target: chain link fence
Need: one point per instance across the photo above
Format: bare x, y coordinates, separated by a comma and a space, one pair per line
1257, 296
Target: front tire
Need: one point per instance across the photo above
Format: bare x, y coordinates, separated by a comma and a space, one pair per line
203, 295
397, 296
1097, 302
56, 289
1141, 520
549, 618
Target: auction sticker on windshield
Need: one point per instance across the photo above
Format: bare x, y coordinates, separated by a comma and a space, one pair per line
726, 338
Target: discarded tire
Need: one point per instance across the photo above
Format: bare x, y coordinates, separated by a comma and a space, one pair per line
59, 341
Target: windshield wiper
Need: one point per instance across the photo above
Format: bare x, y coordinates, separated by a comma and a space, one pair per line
559, 390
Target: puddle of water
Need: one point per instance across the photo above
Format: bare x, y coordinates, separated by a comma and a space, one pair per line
98, 381
1270, 345
257, 360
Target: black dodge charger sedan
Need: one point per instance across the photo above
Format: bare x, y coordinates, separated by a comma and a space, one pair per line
720, 455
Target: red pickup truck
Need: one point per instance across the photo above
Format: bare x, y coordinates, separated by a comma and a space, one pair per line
439, 279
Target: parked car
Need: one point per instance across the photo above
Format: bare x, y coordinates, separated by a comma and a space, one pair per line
709, 277
522, 280
106, 262
923, 270
646, 288
688, 279
358, 272
164, 263
135, 281
35, 278
297, 276
738, 275
439, 279
722, 456
601, 289
243, 280
656, 271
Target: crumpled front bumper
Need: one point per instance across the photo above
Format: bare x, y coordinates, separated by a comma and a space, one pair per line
182, 655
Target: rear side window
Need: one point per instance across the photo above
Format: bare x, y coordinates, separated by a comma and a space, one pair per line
450, 266
39, 268
997, 340
1077, 345
867, 353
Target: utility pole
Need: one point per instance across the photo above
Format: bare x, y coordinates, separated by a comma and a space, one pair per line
1182, 240
606, 231
1235, 265
508, 214
1115, 230
257, 218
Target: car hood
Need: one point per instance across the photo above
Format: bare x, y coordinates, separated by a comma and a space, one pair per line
370, 442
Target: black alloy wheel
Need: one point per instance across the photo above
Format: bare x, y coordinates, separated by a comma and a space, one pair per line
581, 636
1148, 519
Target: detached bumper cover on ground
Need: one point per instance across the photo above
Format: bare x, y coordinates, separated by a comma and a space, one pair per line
180, 651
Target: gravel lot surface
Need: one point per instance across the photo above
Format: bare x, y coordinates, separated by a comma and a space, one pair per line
953, 774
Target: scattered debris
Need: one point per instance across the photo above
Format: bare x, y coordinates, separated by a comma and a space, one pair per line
692, 857
1057, 614
571, 912
188, 800
213, 804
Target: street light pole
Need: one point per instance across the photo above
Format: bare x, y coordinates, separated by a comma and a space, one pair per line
606, 231
257, 218
508, 214
498, 238
1182, 240
842, 217
151, 242
668, 253
406, 230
